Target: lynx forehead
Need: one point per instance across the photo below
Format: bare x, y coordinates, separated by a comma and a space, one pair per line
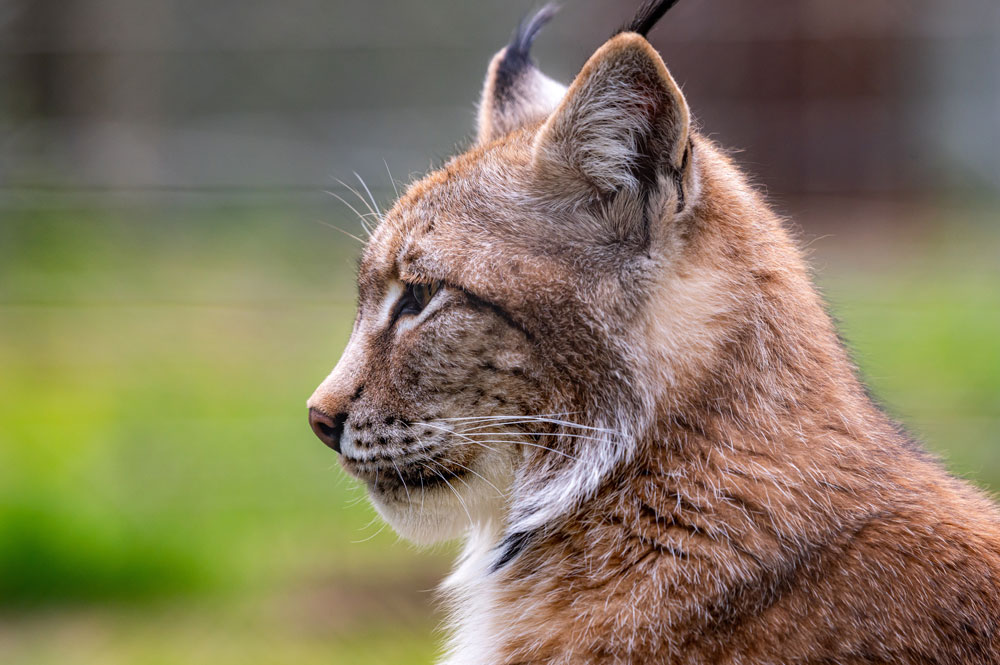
590, 349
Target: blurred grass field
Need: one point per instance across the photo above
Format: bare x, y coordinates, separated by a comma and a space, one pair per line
163, 501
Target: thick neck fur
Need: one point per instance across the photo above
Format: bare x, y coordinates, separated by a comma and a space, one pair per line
771, 514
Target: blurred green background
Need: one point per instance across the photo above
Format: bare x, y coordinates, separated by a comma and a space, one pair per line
172, 289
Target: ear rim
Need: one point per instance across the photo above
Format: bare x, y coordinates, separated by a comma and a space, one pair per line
613, 57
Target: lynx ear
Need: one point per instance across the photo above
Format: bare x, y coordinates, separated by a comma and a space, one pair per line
622, 124
516, 93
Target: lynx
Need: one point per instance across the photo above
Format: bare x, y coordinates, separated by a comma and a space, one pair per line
589, 348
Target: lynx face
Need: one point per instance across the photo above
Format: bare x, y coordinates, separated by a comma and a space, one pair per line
427, 359
500, 364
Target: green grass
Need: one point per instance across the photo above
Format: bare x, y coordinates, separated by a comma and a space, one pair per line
923, 321
155, 460
162, 499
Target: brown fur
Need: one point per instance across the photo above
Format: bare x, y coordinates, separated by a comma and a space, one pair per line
606, 261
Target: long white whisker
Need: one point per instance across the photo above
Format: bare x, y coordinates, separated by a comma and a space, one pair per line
364, 201
410, 427
506, 423
369, 192
527, 443
459, 434
504, 441
337, 228
560, 435
361, 218
365, 540
398, 473
473, 471
391, 179
454, 491
496, 417
522, 419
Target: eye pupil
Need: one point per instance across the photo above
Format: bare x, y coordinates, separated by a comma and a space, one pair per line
420, 295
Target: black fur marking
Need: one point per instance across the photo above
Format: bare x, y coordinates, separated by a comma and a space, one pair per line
441, 476
478, 303
678, 176
528, 28
517, 57
647, 16
510, 547
419, 474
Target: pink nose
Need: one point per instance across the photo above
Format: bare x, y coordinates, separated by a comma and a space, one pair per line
329, 430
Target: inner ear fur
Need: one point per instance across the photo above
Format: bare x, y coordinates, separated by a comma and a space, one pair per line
621, 126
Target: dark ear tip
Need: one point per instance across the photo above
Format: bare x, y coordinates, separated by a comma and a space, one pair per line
529, 27
648, 15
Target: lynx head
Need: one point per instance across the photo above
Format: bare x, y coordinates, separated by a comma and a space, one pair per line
528, 312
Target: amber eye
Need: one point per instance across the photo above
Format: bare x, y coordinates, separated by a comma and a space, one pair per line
423, 293
417, 296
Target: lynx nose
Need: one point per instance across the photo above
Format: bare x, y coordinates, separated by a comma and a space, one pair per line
329, 430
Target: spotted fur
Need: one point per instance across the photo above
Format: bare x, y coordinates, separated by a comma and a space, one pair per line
629, 401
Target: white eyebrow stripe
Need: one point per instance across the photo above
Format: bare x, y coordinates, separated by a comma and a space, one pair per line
392, 296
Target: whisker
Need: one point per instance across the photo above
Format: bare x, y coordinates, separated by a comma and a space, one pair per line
356, 501
398, 473
459, 434
391, 179
553, 421
372, 210
374, 204
433, 461
566, 435
473, 471
365, 540
533, 445
511, 423
364, 202
536, 415
337, 228
505, 441
361, 218
454, 491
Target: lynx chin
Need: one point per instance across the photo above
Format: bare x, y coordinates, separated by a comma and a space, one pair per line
588, 347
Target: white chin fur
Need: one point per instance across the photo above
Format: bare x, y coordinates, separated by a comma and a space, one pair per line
439, 513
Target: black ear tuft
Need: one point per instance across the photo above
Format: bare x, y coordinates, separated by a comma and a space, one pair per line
526, 31
515, 93
517, 56
647, 16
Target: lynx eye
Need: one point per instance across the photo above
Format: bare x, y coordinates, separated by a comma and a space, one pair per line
417, 296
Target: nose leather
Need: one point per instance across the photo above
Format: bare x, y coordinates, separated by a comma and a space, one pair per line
327, 428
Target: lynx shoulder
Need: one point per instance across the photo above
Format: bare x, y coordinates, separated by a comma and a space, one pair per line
589, 348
